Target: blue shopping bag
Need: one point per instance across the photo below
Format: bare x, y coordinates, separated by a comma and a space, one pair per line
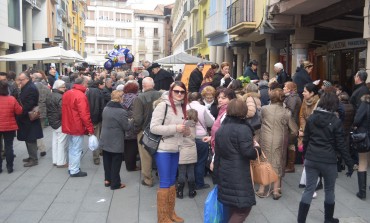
213, 209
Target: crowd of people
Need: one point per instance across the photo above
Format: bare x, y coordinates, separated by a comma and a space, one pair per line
216, 124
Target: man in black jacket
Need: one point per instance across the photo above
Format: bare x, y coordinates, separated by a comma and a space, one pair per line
196, 78
96, 102
281, 75
107, 90
142, 113
29, 131
360, 89
162, 79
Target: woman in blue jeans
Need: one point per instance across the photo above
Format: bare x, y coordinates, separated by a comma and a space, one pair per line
323, 138
205, 120
168, 121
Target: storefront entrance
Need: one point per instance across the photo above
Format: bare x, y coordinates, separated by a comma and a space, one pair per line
344, 60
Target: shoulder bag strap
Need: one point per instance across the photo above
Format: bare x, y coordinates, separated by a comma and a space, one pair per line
165, 114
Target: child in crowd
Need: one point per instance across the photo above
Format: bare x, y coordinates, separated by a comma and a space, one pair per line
188, 156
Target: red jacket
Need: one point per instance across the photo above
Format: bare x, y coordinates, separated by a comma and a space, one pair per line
76, 112
9, 107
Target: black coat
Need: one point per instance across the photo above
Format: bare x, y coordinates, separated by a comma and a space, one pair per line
359, 91
233, 151
54, 108
195, 80
301, 78
216, 82
250, 73
96, 101
361, 118
324, 137
107, 94
162, 80
29, 98
282, 77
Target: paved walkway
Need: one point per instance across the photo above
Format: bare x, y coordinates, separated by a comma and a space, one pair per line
45, 193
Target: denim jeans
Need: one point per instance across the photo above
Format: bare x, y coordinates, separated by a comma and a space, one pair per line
167, 164
202, 153
75, 151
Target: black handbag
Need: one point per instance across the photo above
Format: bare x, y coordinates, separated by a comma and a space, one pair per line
149, 140
360, 140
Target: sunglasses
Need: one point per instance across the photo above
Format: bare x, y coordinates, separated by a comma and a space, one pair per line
179, 92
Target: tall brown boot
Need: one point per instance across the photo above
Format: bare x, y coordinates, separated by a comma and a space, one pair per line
162, 205
171, 206
291, 159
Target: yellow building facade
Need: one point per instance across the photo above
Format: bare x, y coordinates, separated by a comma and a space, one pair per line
77, 9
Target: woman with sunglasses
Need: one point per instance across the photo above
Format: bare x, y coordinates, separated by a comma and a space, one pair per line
171, 111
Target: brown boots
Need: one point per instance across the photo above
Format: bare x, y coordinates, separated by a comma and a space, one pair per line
166, 198
171, 205
291, 159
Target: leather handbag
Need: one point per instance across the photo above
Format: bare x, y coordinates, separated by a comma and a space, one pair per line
34, 113
262, 171
360, 141
151, 141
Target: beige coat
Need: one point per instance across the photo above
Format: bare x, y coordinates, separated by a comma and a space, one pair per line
248, 98
188, 150
172, 140
277, 125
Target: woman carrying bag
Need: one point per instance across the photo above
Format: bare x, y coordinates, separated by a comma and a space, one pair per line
362, 122
234, 148
172, 131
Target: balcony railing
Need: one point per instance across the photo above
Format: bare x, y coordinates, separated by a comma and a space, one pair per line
186, 9
240, 11
193, 5
200, 37
83, 34
75, 30
35, 3
74, 7
191, 42
156, 48
186, 44
69, 22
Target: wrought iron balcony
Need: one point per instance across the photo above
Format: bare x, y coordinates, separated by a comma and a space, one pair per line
200, 38
186, 9
241, 16
191, 42
193, 6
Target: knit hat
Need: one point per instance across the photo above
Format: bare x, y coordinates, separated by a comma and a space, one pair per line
200, 65
58, 84
326, 83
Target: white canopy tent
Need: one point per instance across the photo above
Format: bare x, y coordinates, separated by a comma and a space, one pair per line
181, 58
46, 55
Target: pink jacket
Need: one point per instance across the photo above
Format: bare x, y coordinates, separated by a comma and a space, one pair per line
204, 116
217, 125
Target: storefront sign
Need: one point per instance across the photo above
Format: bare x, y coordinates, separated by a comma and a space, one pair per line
347, 44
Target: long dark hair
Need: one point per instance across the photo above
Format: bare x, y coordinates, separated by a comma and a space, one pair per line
183, 105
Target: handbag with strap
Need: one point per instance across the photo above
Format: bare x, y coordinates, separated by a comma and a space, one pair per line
34, 113
360, 140
151, 141
262, 171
